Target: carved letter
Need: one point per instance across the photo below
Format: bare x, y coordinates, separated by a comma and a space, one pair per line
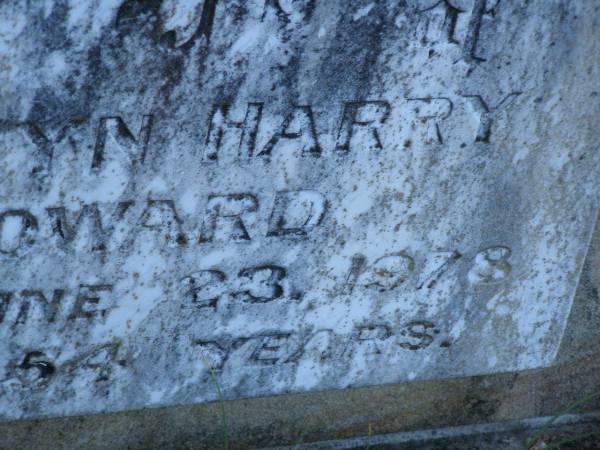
435, 266
17, 227
317, 348
203, 288
417, 330
44, 143
43, 309
271, 349
358, 266
161, 216
370, 337
183, 35
46, 310
212, 354
118, 131
431, 111
487, 114
360, 124
490, 265
389, 272
90, 302
220, 126
296, 212
37, 137
480, 8
43, 153
370, 332
227, 211
5, 298
438, 20
262, 283
291, 9
441, 19
298, 134
69, 229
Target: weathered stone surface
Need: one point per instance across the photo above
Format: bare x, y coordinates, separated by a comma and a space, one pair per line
303, 195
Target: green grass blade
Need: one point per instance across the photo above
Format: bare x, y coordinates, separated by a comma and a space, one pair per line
576, 438
296, 445
213, 377
369, 437
538, 435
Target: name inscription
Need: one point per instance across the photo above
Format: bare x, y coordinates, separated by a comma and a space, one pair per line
360, 127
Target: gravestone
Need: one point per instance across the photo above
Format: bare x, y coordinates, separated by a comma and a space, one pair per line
272, 196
